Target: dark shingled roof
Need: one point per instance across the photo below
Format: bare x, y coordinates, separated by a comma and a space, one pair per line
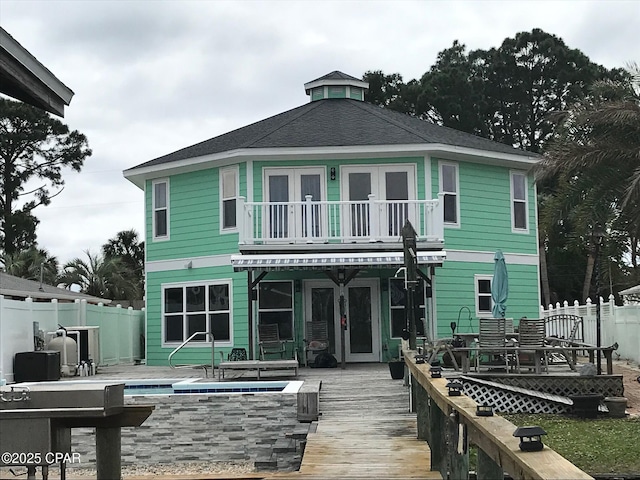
336, 75
335, 122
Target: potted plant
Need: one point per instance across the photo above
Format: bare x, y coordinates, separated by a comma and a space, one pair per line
396, 368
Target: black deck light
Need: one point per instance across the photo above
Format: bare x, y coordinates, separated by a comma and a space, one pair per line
455, 388
436, 371
530, 438
484, 410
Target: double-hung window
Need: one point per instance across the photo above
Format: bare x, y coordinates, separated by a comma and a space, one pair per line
519, 202
484, 303
449, 186
228, 197
160, 209
197, 307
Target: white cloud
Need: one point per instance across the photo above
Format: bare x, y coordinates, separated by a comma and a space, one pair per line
151, 77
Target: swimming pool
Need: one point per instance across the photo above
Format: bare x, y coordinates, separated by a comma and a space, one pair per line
182, 386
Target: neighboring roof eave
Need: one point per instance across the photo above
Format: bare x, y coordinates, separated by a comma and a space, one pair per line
26, 79
138, 175
50, 296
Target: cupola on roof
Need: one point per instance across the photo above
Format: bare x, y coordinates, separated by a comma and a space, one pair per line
336, 85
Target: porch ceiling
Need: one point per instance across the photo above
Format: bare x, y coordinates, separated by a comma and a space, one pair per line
330, 261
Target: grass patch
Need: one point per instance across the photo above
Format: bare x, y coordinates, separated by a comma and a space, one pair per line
597, 446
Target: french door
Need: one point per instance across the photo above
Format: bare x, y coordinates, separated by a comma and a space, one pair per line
293, 196
394, 184
362, 301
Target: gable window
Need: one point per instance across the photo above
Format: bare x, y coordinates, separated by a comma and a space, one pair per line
397, 303
160, 209
484, 303
228, 197
519, 202
197, 307
275, 305
449, 187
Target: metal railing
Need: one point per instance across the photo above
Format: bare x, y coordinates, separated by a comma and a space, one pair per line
204, 367
312, 221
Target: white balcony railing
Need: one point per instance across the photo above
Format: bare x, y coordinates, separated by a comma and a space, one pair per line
268, 223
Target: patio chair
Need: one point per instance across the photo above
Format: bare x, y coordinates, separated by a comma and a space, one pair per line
492, 336
269, 340
531, 343
316, 340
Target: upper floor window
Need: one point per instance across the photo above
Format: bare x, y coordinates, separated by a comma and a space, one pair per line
160, 209
197, 307
519, 201
449, 187
484, 302
229, 197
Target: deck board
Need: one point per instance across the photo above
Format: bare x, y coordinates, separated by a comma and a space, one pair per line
365, 430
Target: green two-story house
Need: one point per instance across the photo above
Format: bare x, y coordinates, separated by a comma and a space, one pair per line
276, 222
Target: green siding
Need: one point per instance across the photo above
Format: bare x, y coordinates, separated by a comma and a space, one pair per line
156, 354
455, 288
485, 211
194, 217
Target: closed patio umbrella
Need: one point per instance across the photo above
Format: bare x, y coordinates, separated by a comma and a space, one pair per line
499, 286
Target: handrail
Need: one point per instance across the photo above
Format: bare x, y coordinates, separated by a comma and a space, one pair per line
440, 415
179, 347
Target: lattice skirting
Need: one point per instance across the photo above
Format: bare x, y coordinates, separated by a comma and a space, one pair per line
565, 386
507, 401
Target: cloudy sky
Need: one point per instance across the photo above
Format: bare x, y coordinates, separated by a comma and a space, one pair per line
151, 77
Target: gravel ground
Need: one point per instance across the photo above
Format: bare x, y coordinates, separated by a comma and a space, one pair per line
630, 374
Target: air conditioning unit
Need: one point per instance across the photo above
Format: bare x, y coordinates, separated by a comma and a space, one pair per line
88, 340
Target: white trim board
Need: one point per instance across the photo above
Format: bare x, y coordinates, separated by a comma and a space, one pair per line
488, 257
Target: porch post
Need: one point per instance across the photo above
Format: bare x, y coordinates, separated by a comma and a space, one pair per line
250, 311
343, 326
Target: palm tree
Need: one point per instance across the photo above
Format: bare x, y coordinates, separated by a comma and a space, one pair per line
595, 162
101, 277
126, 246
33, 264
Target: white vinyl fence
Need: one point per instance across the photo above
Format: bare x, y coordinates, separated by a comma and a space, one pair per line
121, 330
619, 324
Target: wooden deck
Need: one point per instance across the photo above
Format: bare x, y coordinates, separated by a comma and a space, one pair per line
365, 429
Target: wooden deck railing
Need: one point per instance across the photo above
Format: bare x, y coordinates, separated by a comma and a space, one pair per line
319, 222
450, 424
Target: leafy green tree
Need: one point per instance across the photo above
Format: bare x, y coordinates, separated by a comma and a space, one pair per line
127, 247
32, 264
102, 277
33, 146
595, 160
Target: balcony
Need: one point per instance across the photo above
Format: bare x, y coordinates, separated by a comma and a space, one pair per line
335, 225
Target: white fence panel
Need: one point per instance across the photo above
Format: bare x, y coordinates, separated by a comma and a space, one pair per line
619, 324
120, 329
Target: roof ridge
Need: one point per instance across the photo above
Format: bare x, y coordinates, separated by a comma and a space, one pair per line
303, 111
376, 110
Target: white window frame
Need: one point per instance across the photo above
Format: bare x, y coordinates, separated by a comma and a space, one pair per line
513, 200
207, 341
441, 189
155, 237
222, 174
476, 279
